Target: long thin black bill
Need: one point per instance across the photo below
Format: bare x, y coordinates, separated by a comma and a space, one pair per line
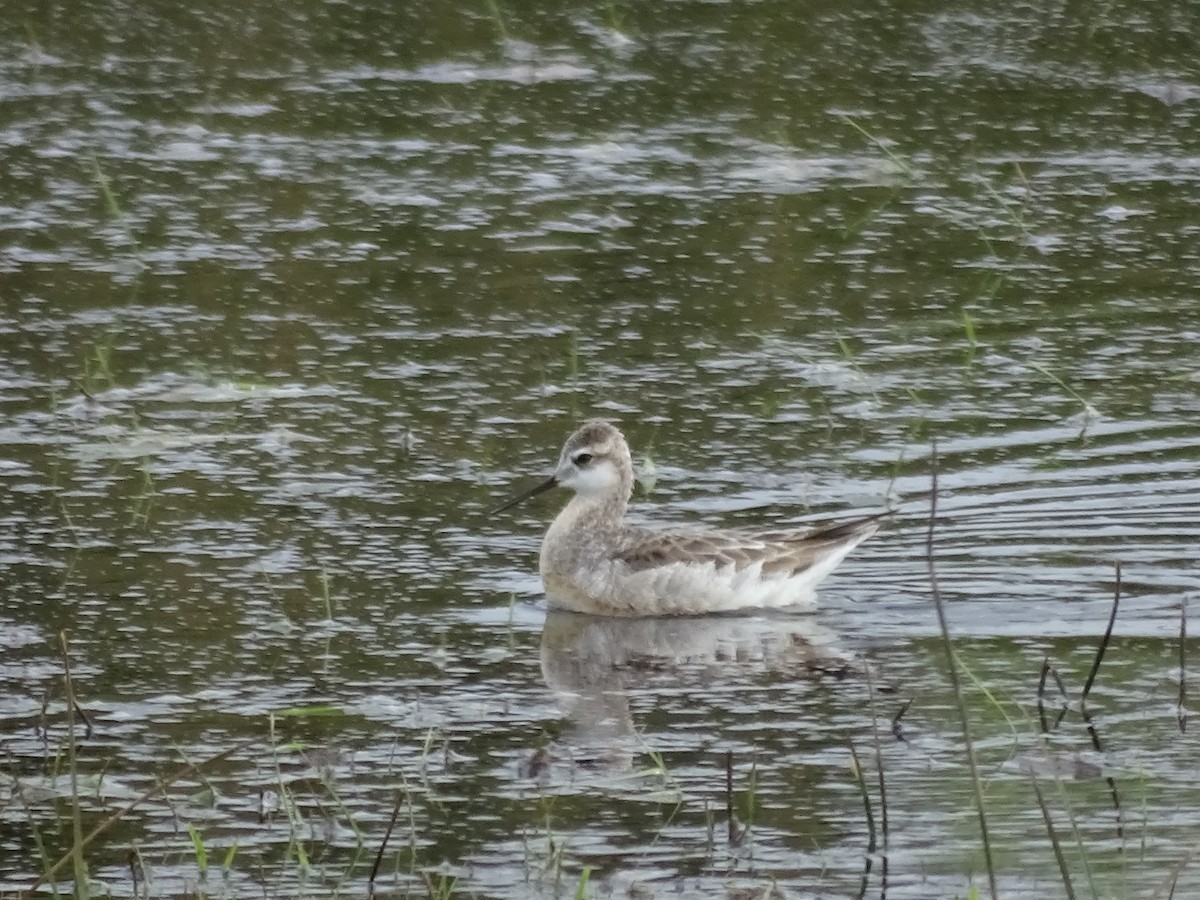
532, 492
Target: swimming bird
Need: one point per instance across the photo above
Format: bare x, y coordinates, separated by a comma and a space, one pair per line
593, 561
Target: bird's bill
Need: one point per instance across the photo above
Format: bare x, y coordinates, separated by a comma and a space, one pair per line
532, 492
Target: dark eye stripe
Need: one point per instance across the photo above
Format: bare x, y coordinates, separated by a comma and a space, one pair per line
582, 459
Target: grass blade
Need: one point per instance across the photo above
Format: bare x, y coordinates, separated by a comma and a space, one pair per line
955, 684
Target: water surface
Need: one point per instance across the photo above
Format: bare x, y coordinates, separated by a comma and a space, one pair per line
291, 299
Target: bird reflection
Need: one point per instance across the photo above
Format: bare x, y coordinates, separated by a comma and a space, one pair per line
594, 663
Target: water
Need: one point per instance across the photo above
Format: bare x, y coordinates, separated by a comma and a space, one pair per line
289, 301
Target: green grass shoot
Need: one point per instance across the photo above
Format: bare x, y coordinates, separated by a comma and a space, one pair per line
111, 207
581, 889
325, 579
199, 849
901, 164
1090, 411
498, 19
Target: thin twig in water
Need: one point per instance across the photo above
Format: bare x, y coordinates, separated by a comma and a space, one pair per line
1182, 714
883, 805
76, 852
861, 780
1112, 619
1094, 734
897, 729
387, 836
1062, 688
952, 668
131, 859
1048, 670
1058, 854
1041, 693
1171, 879
733, 829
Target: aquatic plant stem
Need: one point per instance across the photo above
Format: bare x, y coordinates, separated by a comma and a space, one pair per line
401, 796
897, 728
1170, 881
952, 669
898, 161
883, 800
76, 852
1182, 712
861, 781
1088, 410
1054, 842
1112, 620
1047, 670
734, 836
1041, 694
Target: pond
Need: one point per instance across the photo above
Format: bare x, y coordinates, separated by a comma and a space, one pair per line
291, 297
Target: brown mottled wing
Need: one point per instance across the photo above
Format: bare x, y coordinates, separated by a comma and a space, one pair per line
783, 552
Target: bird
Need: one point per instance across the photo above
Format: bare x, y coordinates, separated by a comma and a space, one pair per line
593, 561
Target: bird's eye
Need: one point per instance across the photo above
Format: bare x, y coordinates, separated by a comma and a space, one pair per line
582, 459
